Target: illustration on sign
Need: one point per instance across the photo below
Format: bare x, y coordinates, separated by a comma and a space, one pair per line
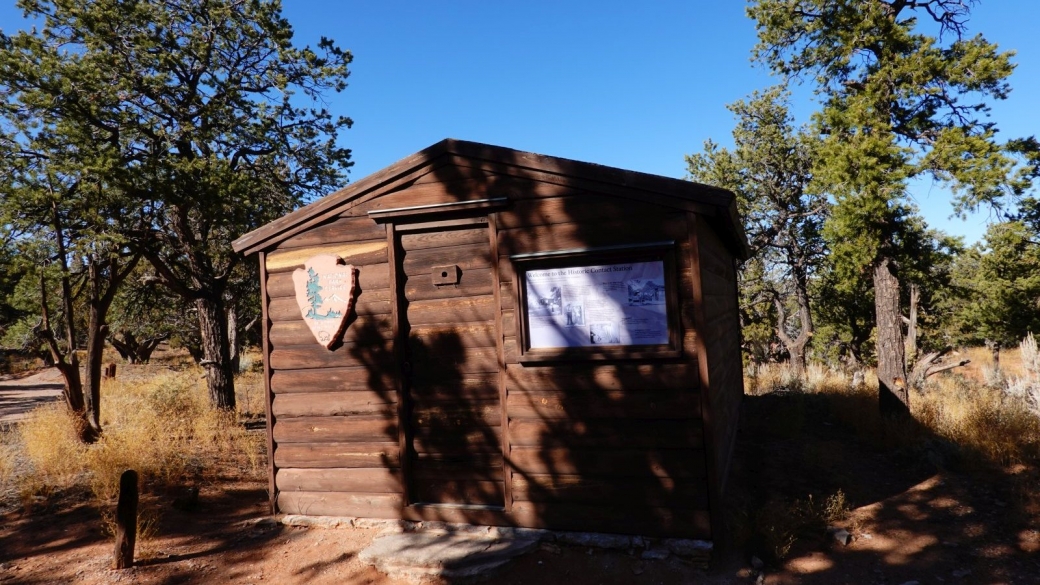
612, 304
325, 294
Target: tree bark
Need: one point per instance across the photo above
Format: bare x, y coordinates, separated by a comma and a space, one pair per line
795, 346
234, 341
893, 394
216, 354
911, 326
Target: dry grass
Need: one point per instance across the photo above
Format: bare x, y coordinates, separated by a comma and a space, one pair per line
958, 421
777, 525
163, 427
987, 423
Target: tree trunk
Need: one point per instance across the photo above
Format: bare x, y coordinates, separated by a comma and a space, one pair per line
893, 394
96, 331
911, 327
234, 341
795, 346
216, 354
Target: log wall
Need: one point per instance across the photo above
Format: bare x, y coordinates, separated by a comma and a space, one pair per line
595, 443
607, 445
334, 413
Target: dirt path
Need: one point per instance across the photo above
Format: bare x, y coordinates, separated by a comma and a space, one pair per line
19, 395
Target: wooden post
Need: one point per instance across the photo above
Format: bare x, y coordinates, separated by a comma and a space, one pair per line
126, 520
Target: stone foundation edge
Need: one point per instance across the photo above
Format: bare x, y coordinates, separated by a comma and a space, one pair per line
694, 551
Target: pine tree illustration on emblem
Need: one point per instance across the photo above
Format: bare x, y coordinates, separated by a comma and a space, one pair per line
325, 314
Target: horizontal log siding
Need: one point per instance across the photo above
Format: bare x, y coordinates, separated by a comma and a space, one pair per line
608, 446
722, 344
335, 411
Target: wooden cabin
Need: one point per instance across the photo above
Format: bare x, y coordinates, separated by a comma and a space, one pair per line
525, 341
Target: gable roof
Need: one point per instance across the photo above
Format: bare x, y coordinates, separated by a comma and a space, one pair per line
714, 203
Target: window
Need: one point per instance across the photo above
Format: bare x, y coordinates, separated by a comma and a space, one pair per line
614, 302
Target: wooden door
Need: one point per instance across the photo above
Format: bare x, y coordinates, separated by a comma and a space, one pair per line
450, 366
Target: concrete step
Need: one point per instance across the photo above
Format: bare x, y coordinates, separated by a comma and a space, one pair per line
415, 555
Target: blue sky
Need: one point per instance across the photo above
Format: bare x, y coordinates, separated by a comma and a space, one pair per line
635, 85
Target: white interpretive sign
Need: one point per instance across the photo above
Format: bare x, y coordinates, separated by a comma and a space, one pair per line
610, 304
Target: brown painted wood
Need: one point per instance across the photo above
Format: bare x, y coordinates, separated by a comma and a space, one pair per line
487, 162
478, 515
443, 238
331, 429
569, 488
606, 377
458, 310
362, 505
674, 463
483, 466
472, 282
466, 387
339, 203
443, 366
458, 416
647, 521
342, 229
265, 348
362, 480
437, 440
544, 211
619, 404
589, 235
504, 440
335, 404
472, 492
437, 193
370, 277
468, 257
364, 354
338, 455
616, 433
359, 378
468, 335
401, 366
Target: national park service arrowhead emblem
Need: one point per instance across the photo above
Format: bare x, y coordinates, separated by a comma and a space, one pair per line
325, 293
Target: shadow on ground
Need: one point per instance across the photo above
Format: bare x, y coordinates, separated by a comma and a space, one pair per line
920, 510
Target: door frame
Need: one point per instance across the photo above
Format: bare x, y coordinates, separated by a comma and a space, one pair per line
404, 222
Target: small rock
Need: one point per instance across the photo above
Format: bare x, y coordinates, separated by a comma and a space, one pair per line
656, 554
960, 573
761, 579
841, 535
608, 541
686, 547
757, 564
867, 536
911, 583
638, 569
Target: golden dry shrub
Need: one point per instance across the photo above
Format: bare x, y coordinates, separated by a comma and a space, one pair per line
984, 422
8, 463
49, 441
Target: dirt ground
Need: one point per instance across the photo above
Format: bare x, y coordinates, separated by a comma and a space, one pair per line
914, 520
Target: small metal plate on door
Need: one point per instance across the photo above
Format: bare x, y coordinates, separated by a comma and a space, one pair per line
445, 274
